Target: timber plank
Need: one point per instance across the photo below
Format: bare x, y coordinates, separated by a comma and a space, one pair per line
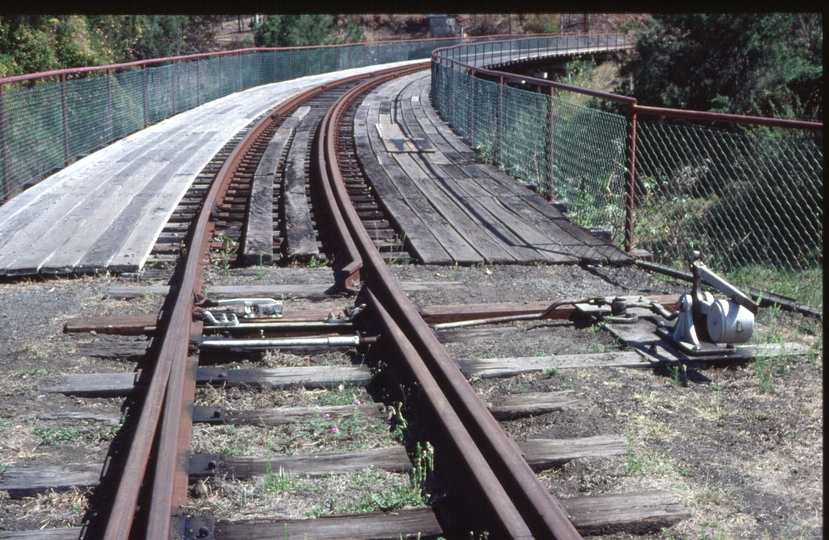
288, 415
70, 533
452, 241
121, 384
420, 238
529, 233
539, 454
508, 367
255, 290
126, 243
120, 350
546, 453
392, 459
634, 513
376, 526
511, 406
300, 239
477, 210
257, 247
29, 481
470, 229
74, 232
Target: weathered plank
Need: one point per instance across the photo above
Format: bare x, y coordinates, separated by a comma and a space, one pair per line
257, 246
539, 454
392, 459
127, 242
288, 415
109, 419
508, 367
633, 513
121, 350
545, 453
29, 481
256, 290
89, 384
300, 239
120, 384
380, 525
511, 406
71, 533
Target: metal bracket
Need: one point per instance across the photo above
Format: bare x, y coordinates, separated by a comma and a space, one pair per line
210, 414
204, 464
193, 527
255, 308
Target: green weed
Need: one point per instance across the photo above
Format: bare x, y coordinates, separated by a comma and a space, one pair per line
50, 436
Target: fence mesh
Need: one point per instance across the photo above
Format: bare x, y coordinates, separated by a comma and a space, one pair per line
751, 204
44, 127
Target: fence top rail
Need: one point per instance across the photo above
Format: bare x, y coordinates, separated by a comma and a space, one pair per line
631, 102
541, 82
173, 59
731, 118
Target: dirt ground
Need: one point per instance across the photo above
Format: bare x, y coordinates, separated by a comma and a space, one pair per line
740, 445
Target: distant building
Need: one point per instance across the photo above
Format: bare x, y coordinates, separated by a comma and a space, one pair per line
443, 26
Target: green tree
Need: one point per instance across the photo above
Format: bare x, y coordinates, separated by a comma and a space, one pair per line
752, 64
293, 30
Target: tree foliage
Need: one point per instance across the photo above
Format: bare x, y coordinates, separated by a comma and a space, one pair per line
31, 44
301, 30
767, 64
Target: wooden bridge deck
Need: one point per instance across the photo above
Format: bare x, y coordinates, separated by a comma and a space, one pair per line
106, 211
451, 208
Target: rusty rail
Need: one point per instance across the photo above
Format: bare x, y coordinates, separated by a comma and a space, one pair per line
517, 488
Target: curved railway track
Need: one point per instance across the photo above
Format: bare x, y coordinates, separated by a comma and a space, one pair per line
487, 486
504, 497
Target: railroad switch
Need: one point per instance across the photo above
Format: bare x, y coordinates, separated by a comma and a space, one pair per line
705, 327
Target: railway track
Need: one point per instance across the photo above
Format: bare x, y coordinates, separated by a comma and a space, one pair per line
448, 440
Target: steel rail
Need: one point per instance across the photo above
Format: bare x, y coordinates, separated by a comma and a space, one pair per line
169, 377
538, 508
168, 492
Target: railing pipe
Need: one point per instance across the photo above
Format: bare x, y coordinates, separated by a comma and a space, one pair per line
4, 147
110, 120
146, 99
65, 119
630, 176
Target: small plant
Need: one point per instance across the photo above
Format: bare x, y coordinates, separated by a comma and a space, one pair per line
275, 483
224, 255
679, 375
49, 436
553, 370
632, 465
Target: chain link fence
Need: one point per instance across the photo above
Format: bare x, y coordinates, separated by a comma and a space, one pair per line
46, 121
751, 203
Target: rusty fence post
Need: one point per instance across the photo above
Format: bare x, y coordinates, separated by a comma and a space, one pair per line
65, 114
474, 107
4, 148
221, 75
173, 84
500, 122
198, 82
110, 120
146, 98
550, 142
630, 175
